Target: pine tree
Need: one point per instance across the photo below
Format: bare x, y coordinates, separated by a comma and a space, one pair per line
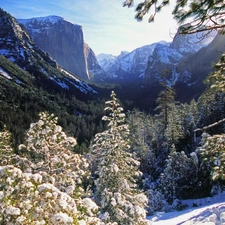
116, 188
174, 130
165, 99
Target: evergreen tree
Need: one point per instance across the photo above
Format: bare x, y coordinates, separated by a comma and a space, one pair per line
143, 135
116, 187
174, 130
165, 99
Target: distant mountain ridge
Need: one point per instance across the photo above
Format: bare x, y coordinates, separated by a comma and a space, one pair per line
128, 65
170, 58
64, 41
146, 62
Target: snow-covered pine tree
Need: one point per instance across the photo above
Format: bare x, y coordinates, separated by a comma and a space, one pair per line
212, 151
179, 176
49, 148
117, 192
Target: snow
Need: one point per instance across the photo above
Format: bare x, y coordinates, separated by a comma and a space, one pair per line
209, 211
62, 218
12, 210
43, 21
128, 62
48, 19
83, 87
60, 83
166, 54
5, 74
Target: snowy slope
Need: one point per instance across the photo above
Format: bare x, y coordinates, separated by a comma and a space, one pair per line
209, 211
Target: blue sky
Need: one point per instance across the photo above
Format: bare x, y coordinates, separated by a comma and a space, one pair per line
107, 26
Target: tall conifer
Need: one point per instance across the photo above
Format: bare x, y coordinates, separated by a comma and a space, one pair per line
116, 188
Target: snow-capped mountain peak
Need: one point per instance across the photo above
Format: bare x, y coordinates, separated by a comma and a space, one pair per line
50, 20
128, 64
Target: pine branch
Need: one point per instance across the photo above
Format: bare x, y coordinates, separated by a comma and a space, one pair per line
209, 126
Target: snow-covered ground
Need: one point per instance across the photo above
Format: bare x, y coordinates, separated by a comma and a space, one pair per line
207, 211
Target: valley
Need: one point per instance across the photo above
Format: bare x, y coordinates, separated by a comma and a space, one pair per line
106, 140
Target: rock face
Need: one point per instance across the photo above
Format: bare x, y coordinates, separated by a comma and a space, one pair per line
64, 41
17, 45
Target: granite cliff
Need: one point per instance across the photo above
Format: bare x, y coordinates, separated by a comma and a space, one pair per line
64, 41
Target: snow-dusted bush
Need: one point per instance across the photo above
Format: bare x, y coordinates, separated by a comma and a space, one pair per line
116, 189
49, 148
157, 202
45, 186
25, 199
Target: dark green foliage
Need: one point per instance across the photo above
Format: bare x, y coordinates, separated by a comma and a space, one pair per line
22, 99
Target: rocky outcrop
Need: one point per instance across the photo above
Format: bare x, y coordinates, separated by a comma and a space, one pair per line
64, 41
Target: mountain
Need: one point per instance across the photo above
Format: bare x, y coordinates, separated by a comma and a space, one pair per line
17, 46
188, 61
106, 60
168, 57
32, 82
148, 62
64, 41
127, 66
